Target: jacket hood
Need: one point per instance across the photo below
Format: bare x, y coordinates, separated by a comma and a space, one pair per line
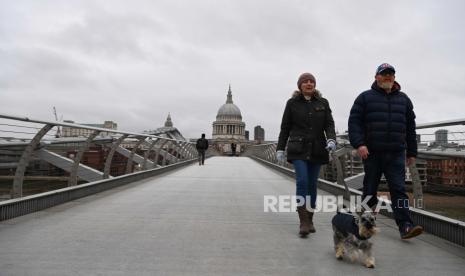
298, 93
395, 87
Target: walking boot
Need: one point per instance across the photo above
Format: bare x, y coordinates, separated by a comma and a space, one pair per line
311, 228
304, 221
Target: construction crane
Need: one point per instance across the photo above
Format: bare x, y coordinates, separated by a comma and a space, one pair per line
58, 133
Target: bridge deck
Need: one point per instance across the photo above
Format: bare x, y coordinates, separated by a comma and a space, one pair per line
200, 221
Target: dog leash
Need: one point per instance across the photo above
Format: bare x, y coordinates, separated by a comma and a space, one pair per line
340, 175
340, 179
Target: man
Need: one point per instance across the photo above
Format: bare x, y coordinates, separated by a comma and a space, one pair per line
382, 129
233, 149
201, 146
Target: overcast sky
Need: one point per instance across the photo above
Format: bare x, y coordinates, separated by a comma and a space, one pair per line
134, 61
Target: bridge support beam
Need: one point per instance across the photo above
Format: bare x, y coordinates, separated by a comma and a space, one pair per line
418, 201
165, 153
24, 160
136, 157
131, 155
147, 153
77, 159
109, 159
84, 172
160, 149
184, 152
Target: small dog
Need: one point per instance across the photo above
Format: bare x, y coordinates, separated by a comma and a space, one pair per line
351, 236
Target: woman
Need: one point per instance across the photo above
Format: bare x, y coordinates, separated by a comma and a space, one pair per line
308, 129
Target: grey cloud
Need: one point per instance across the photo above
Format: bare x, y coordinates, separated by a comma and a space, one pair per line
101, 33
134, 63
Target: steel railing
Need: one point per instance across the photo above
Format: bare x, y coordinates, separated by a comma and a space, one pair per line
450, 229
162, 150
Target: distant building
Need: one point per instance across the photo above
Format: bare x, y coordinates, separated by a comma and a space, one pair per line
168, 130
247, 135
81, 132
259, 134
446, 172
441, 137
228, 128
445, 168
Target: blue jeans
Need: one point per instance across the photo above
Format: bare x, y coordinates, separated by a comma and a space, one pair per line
392, 165
306, 176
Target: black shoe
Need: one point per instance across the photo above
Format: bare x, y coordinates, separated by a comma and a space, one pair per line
410, 231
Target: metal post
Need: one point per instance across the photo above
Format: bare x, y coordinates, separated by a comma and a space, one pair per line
167, 152
77, 159
189, 151
416, 186
175, 148
147, 153
335, 156
273, 153
131, 156
159, 150
109, 159
24, 161
192, 151
182, 152
266, 153
185, 152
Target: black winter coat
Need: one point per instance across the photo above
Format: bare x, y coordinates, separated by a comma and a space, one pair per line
383, 121
201, 144
306, 126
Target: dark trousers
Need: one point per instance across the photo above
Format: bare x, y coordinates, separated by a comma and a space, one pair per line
201, 156
392, 165
306, 176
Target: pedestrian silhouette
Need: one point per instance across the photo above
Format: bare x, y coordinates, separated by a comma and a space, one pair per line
201, 146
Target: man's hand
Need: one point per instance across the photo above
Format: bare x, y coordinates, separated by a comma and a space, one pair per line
363, 152
410, 161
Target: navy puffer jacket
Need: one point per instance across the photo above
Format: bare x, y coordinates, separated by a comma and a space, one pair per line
383, 122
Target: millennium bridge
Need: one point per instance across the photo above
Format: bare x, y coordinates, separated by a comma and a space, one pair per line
159, 213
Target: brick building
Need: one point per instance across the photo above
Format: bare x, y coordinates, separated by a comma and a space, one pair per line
448, 172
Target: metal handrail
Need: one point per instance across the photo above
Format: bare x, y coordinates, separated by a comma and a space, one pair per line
447, 228
181, 149
134, 134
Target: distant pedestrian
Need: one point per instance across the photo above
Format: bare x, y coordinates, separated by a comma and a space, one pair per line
201, 146
382, 129
233, 149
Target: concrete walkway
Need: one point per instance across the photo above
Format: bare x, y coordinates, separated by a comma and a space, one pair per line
201, 220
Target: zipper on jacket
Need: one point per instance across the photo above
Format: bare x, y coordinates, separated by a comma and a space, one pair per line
389, 116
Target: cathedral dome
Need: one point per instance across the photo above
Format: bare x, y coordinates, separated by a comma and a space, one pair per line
229, 110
